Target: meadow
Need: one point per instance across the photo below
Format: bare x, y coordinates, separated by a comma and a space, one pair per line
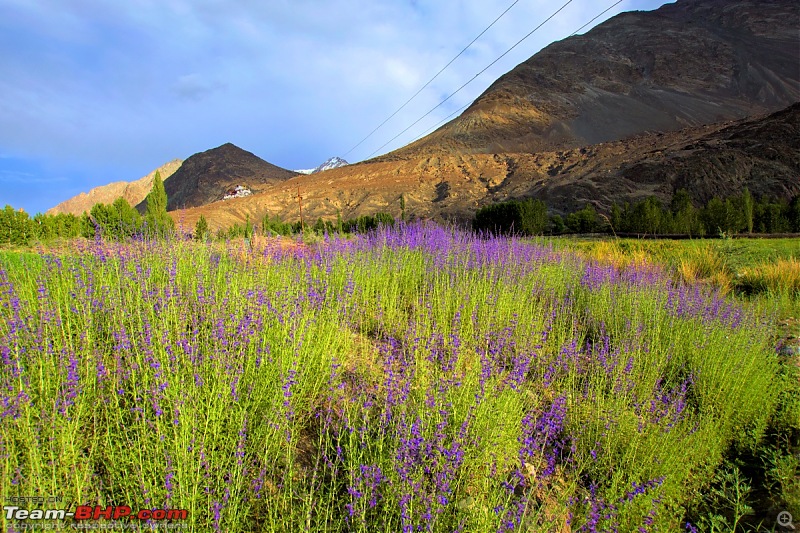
415, 378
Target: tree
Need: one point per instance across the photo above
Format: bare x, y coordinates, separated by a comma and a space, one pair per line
525, 217
794, 214
583, 221
715, 216
684, 214
747, 209
156, 217
339, 226
15, 227
127, 222
201, 229
557, 224
384, 219
616, 217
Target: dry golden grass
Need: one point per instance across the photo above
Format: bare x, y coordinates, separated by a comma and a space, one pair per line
610, 252
781, 276
705, 265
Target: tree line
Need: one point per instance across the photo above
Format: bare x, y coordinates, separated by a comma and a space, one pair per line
274, 226
118, 220
735, 214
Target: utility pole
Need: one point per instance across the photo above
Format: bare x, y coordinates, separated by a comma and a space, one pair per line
300, 204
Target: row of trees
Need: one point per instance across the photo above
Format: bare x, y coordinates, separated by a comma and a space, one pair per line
117, 220
272, 226
736, 214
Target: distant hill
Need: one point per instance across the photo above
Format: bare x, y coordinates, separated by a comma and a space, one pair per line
209, 176
133, 191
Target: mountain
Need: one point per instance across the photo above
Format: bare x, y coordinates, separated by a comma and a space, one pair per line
760, 153
214, 174
698, 94
333, 162
134, 192
687, 63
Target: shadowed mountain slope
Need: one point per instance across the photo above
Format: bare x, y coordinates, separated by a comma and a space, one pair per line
211, 175
688, 63
720, 159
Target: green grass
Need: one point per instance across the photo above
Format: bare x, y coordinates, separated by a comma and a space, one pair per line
380, 387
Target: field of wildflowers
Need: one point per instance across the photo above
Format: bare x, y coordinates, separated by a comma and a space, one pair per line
412, 379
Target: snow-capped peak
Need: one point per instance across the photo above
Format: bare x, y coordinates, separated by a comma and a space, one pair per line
333, 162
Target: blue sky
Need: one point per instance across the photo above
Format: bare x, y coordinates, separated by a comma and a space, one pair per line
95, 91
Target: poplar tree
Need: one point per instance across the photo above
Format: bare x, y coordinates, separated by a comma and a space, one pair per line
158, 221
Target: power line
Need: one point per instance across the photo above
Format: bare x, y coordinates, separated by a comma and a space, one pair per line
445, 119
576, 32
473, 78
481, 72
433, 78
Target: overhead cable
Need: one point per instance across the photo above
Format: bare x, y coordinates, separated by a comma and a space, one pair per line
433, 78
472, 79
467, 104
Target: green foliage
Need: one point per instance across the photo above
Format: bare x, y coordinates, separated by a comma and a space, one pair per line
522, 217
16, 227
157, 222
725, 504
201, 229
117, 221
59, 226
274, 226
747, 210
557, 224
583, 221
719, 216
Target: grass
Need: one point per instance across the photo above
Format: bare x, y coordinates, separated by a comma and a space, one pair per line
415, 379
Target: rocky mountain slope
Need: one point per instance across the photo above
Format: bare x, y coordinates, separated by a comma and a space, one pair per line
133, 191
720, 159
643, 104
211, 175
687, 63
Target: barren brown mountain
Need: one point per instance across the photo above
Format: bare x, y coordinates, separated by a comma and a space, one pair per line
133, 191
687, 63
644, 103
762, 154
211, 175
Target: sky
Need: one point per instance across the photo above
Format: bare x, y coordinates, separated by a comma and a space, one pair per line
96, 91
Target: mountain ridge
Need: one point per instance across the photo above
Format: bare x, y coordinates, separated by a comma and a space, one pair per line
211, 175
687, 63
133, 191
761, 153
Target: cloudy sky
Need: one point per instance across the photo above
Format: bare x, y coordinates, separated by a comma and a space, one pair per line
95, 91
